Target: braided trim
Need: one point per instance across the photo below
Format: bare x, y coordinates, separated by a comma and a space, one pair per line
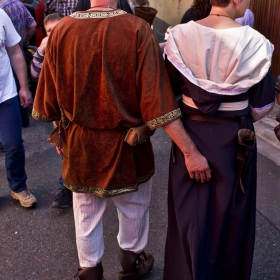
40, 117
164, 119
88, 15
108, 193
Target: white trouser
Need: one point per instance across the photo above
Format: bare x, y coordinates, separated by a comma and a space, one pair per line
133, 214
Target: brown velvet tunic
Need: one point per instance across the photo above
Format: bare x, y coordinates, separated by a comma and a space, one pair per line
104, 90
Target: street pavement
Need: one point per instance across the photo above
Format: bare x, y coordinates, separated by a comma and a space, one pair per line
39, 243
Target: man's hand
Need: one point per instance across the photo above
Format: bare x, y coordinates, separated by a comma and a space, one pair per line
196, 163
25, 98
60, 152
197, 166
19, 66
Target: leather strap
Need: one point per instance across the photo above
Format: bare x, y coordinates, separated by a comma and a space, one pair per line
208, 118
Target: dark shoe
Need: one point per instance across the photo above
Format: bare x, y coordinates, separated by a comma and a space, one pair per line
63, 199
90, 273
135, 266
1, 148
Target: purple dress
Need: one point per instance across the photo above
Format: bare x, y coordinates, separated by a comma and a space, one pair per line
211, 229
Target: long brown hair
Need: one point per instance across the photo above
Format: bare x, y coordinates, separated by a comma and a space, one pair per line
201, 8
220, 3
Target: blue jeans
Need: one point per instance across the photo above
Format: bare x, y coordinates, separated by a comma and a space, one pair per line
12, 142
24, 112
61, 183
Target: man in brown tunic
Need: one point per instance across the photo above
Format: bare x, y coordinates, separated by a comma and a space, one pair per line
104, 71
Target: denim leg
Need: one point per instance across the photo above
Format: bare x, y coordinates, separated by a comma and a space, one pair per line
61, 183
10, 133
24, 112
25, 119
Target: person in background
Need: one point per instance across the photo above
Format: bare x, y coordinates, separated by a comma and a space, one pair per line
138, 3
50, 22
63, 198
247, 19
25, 25
199, 10
21, 18
64, 8
125, 5
39, 17
37, 10
223, 72
166, 34
10, 122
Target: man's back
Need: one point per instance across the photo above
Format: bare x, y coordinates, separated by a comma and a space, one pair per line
106, 72
101, 64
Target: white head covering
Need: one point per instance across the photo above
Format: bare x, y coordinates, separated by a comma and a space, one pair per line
223, 61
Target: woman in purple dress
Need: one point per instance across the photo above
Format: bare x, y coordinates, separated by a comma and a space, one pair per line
223, 72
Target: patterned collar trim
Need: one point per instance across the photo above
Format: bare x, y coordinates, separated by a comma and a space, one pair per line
97, 14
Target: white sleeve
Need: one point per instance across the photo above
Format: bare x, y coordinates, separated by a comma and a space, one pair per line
12, 37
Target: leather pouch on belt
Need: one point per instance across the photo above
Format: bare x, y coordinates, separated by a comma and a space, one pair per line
245, 146
138, 134
57, 136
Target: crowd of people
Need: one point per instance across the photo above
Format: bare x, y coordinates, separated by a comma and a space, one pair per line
212, 81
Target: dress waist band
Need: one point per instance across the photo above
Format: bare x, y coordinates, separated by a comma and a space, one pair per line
209, 118
225, 106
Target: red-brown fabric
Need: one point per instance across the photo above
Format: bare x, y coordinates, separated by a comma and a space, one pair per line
104, 90
39, 17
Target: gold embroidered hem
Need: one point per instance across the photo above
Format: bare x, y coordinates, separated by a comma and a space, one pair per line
169, 117
97, 14
43, 118
108, 193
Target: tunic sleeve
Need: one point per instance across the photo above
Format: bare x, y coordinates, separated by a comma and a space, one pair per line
46, 106
262, 97
158, 105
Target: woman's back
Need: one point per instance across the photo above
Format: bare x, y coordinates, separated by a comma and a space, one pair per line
231, 58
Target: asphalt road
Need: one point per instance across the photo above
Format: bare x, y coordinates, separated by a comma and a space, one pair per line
39, 243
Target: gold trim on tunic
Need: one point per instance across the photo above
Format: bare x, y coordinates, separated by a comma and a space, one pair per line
164, 119
108, 193
43, 118
95, 14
